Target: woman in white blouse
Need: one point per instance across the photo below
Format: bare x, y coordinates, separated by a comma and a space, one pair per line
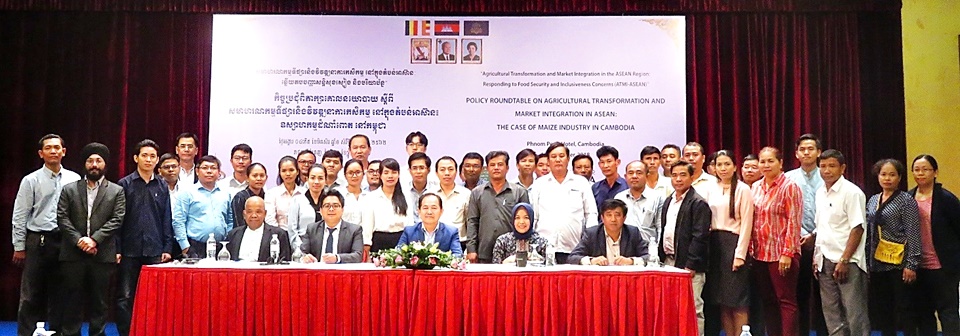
305, 208
730, 230
385, 210
353, 191
279, 198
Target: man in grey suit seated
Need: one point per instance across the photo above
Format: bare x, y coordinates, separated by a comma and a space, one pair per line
332, 239
252, 242
611, 243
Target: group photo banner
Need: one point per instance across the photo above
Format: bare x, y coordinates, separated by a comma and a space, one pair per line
285, 83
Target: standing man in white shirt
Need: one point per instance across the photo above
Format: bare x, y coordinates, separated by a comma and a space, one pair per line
643, 204
840, 217
703, 183
564, 203
241, 156
360, 151
332, 161
455, 198
807, 177
669, 155
650, 155
36, 237
187, 149
419, 167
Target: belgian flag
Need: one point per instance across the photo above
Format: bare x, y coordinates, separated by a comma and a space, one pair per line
417, 28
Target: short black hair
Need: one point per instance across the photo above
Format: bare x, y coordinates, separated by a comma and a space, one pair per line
330, 192
418, 156
582, 156
474, 156
243, 148
211, 159
416, 134
694, 144
832, 154
542, 156
751, 157
682, 163
929, 158
669, 146
901, 169
373, 162
556, 145
611, 204
168, 156
196, 140
332, 153
355, 136
474, 44
305, 151
446, 157
608, 150
350, 162
145, 143
424, 196
810, 136
524, 153
498, 153
48, 137
649, 150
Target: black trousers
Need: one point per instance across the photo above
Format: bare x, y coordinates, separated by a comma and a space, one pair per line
936, 291
93, 278
129, 277
41, 293
890, 304
384, 240
809, 306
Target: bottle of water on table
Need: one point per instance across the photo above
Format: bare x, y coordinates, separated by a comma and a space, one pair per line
274, 249
653, 253
211, 247
745, 331
40, 331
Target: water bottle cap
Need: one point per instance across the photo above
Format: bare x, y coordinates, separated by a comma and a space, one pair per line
745, 328
39, 324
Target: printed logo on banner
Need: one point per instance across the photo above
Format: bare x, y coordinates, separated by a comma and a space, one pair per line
476, 28
446, 28
420, 51
417, 28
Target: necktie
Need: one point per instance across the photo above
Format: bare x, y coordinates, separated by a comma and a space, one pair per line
329, 247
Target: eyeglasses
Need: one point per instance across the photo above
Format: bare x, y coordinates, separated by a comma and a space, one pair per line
241, 158
186, 146
331, 206
415, 144
355, 173
306, 162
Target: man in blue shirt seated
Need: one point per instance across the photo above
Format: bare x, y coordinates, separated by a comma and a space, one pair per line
429, 230
611, 243
334, 240
252, 242
202, 209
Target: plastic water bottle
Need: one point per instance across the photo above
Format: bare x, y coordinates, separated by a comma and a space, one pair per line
551, 258
653, 253
211, 247
274, 249
297, 254
40, 331
746, 331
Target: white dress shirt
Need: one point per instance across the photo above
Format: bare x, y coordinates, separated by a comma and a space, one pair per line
278, 200
563, 209
840, 209
613, 251
454, 208
232, 185
430, 237
299, 216
378, 215
336, 239
188, 176
250, 244
413, 196
705, 185
352, 204
644, 213
664, 186
670, 229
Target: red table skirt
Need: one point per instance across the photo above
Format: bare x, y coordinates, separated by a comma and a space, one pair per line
189, 301
184, 301
553, 303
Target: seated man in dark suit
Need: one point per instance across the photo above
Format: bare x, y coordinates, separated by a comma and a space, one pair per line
611, 243
89, 216
252, 242
685, 230
429, 230
334, 240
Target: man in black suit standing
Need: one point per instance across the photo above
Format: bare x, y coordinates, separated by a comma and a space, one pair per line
611, 243
252, 242
89, 214
334, 240
684, 233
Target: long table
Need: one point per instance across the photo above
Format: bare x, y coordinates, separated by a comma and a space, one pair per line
230, 298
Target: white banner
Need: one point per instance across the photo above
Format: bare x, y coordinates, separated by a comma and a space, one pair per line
284, 83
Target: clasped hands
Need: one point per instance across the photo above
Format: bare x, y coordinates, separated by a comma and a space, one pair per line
88, 245
327, 258
618, 261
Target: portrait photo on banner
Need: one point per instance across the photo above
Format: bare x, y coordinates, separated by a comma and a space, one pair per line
446, 51
472, 51
420, 51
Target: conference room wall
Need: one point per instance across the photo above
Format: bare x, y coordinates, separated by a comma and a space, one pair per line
931, 71
760, 73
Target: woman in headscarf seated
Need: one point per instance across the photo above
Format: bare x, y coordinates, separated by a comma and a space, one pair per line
505, 249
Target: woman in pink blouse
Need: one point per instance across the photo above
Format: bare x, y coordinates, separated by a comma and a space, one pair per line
730, 231
775, 244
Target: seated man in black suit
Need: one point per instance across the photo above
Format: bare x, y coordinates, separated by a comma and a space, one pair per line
334, 240
252, 242
611, 243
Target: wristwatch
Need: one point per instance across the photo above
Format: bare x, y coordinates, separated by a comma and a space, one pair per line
844, 261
